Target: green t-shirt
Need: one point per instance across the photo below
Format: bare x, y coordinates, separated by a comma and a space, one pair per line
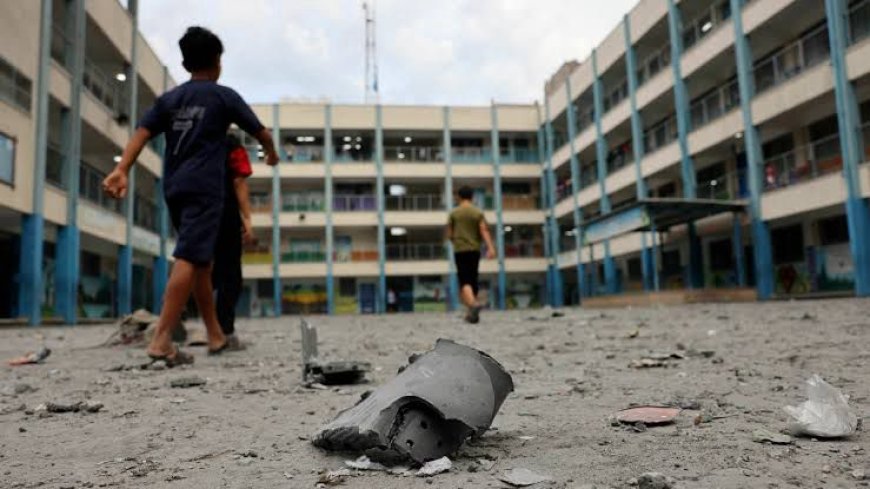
465, 221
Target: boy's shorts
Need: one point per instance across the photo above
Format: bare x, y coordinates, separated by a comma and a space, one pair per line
467, 269
197, 221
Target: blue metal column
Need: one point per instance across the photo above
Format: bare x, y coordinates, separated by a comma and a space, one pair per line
646, 258
125, 253
327, 192
610, 279
452, 279
161, 262
381, 305
575, 191
67, 251
558, 297
33, 224
760, 231
737, 245
499, 218
545, 204
277, 288
687, 166
851, 144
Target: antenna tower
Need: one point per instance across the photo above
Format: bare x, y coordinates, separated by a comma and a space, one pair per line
371, 67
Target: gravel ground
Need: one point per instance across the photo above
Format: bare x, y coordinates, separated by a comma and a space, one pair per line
249, 425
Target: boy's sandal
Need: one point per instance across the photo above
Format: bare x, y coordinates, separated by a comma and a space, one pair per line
219, 350
178, 358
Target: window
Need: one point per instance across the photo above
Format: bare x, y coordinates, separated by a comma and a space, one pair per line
788, 244
7, 159
15, 88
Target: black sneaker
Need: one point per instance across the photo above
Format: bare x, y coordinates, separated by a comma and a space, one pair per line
473, 316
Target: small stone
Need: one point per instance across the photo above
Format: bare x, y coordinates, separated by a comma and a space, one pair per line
762, 436
654, 480
22, 429
187, 382
158, 365
859, 474
91, 406
826, 469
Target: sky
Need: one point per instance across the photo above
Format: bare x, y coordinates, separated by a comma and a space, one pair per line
457, 52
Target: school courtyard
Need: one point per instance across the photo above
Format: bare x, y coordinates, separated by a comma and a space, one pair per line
733, 367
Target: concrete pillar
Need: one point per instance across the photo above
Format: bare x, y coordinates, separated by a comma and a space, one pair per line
328, 208
497, 197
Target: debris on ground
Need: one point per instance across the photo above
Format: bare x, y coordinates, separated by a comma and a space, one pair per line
426, 412
75, 407
656, 360
13, 409
330, 373
648, 415
825, 414
364, 463
333, 477
765, 436
30, 358
653, 480
16, 389
187, 382
522, 477
435, 467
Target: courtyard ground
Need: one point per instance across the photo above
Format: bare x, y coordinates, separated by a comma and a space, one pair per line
249, 425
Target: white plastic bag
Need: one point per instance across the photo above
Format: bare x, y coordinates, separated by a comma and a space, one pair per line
825, 414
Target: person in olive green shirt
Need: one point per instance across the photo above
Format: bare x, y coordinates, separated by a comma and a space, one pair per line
466, 229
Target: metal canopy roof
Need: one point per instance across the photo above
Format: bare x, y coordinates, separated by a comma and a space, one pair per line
655, 214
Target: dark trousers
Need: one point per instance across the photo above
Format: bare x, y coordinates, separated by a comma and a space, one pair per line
227, 271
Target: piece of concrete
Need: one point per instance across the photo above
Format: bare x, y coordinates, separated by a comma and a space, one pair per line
332, 373
427, 411
522, 477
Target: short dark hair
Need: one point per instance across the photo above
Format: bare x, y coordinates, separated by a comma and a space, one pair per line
201, 49
466, 193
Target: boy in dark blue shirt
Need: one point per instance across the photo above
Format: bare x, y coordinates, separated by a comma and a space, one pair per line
195, 117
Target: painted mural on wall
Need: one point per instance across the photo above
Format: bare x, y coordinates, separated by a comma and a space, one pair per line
834, 268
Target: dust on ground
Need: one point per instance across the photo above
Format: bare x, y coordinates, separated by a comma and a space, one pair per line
249, 425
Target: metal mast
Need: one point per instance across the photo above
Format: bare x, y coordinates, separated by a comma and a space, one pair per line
371, 67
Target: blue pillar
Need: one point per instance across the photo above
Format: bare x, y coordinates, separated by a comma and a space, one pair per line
277, 287
125, 254
575, 189
656, 242
67, 249
499, 218
760, 231
638, 149
452, 278
33, 224
737, 245
610, 279
557, 298
327, 192
161, 262
687, 166
851, 144
545, 204
382, 241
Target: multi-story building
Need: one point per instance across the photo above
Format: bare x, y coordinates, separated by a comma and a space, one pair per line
713, 143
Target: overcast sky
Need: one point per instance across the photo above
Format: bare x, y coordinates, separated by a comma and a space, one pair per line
429, 51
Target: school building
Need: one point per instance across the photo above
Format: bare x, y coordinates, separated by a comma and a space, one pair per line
702, 144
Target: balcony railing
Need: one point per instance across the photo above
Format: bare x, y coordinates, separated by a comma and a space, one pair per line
61, 45
303, 202
261, 203
354, 203
722, 187
106, 89
859, 21
303, 256
342, 156
661, 134
524, 249
425, 202
414, 154
257, 254
804, 163
715, 104
54, 166
145, 213
355, 255
519, 155
471, 155
414, 252
511, 202
792, 59
90, 188
303, 154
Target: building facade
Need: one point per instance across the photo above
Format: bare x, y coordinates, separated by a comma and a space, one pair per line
765, 103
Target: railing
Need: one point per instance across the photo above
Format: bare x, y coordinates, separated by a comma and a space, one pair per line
54, 166
424, 202
15, 87
352, 255
413, 252
520, 202
414, 154
257, 254
354, 203
471, 155
105, 88
715, 104
61, 45
261, 203
859, 21
303, 256
91, 188
588, 175
792, 59
303, 154
619, 160
660, 135
804, 163
303, 202
721, 187
145, 213
524, 249
564, 190
342, 156
519, 155
653, 64
616, 96
703, 25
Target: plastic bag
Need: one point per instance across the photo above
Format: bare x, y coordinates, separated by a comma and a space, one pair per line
825, 414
